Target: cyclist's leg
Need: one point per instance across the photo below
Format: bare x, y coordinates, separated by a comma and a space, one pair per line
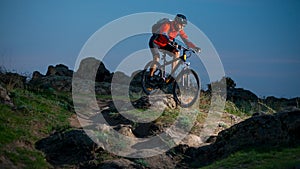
155, 53
153, 68
172, 51
176, 55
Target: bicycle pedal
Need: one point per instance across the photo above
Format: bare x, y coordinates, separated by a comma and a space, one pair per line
149, 88
169, 80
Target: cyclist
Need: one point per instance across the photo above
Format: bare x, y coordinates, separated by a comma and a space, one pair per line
165, 39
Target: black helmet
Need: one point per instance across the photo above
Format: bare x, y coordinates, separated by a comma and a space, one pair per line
181, 19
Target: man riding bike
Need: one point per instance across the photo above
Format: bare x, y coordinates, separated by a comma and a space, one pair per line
165, 39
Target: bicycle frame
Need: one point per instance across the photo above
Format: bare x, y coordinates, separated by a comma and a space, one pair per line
166, 63
185, 81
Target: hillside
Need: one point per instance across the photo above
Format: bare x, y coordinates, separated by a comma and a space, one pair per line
40, 128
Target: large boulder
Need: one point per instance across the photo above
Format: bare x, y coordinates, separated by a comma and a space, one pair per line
59, 70
12, 80
67, 148
58, 77
4, 97
281, 129
89, 67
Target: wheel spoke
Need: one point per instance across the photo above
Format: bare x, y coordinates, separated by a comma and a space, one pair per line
186, 88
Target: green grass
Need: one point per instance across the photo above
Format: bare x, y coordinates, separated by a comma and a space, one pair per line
260, 159
231, 108
168, 117
34, 117
28, 159
142, 162
7, 134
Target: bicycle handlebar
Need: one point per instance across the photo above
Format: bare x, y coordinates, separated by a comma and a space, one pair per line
184, 49
187, 49
180, 47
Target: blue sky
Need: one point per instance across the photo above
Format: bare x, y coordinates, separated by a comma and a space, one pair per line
258, 41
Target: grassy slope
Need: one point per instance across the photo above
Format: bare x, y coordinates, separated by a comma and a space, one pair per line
281, 158
35, 116
39, 114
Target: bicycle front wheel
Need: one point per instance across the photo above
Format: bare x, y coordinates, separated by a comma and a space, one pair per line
186, 88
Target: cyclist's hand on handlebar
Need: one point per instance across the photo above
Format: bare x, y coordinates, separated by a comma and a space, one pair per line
197, 49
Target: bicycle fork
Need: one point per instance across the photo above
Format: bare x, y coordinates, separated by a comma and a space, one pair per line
185, 77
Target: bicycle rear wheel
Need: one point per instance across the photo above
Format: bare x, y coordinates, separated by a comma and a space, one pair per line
186, 88
151, 86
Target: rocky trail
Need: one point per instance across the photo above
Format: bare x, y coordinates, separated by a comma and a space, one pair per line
75, 147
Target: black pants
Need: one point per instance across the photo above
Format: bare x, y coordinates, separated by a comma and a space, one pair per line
170, 49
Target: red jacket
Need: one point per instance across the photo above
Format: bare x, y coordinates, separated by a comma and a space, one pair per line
169, 30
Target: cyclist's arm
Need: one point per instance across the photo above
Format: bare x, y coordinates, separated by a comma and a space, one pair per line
185, 39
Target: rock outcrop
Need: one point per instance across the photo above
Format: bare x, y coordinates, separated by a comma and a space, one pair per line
58, 78
4, 96
89, 67
12, 80
281, 129
67, 148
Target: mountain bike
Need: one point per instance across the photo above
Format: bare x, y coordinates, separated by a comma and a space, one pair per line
185, 84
